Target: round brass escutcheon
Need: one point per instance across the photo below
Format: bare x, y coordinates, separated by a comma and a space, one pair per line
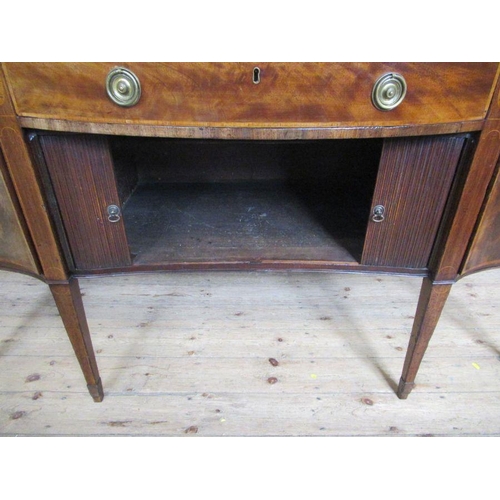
123, 87
389, 91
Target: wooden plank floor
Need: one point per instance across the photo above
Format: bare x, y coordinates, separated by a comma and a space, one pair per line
250, 354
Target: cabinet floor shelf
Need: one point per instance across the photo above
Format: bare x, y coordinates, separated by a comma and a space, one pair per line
243, 221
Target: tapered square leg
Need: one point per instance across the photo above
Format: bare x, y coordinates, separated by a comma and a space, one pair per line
430, 305
68, 299
404, 388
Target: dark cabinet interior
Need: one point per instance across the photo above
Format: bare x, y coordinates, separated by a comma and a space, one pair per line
223, 201
308, 203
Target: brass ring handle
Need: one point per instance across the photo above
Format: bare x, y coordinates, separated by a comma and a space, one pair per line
378, 213
114, 213
389, 91
123, 87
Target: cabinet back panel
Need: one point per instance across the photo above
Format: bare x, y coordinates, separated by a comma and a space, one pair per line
155, 160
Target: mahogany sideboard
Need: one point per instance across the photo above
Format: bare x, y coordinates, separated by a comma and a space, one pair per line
110, 168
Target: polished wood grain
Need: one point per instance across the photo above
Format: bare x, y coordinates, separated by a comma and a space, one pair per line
413, 182
453, 243
485, 249
451, 253
32, 201
430, 305
28, 191
16, 250
249, 133
82, 174
224, 95
293, 101
69, 303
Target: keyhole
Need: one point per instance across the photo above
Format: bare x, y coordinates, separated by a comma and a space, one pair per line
256, 75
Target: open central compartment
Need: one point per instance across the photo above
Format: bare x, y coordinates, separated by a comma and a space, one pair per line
245, 201
155, 203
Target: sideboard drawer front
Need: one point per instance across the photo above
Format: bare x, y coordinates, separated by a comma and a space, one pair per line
226, 94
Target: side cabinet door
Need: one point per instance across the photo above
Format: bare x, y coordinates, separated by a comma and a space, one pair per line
82, 176
413, 183
485, 249
15, 249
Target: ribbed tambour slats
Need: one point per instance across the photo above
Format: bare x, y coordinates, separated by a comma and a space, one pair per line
414, 179
82, 174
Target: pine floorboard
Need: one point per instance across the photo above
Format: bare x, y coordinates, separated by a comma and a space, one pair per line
250, 354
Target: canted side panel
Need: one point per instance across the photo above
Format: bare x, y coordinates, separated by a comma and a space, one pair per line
413, 183
15, 251
81, 171
485, 249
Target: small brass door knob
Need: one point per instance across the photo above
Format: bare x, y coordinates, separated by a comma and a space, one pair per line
123, 87
114, 213
378, 214
389, 91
